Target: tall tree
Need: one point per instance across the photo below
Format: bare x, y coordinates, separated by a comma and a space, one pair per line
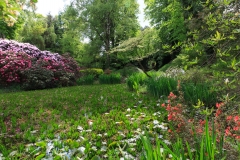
49, 35
38, 30
168, 17
107, 22
69, 30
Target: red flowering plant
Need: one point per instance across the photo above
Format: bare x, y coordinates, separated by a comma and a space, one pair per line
11, 65
176, 112
64, 71
175, 117
229, 123
225, 124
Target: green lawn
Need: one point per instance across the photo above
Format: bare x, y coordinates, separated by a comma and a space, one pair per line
77, 122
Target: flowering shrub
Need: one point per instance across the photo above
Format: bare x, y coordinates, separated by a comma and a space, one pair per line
183, 125
229, 123
233, 127
175, 113
37, 77
71, 65
11, 65
22, 62
47, 73
31, 50
64, 74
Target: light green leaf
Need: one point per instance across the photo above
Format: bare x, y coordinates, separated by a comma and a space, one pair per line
40, 156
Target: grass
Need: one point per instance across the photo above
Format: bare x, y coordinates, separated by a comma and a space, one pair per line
161, 86
87, 79
199, 91
8, 89
114, 78
136, 79
92, 122
76, 122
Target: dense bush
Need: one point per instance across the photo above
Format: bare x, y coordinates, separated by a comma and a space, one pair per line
96, 72
71, 65
63, 74
11, 65
38, 77
110, 78
24, 63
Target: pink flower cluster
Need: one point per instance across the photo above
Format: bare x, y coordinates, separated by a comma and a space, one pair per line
16, 57
11, 65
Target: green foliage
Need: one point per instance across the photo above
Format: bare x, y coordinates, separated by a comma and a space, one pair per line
4, 150
137, 79
165, 67
110, 78
168, 18
70, 43
9, 10
87, 79
172, 30
199, 91
127, 71
96, 72
195, 75
190, 55
216, 42
161, 86
137, 48
153, 73
10, 88
48, 33
153, 152
8, 32
33, 30
50, 37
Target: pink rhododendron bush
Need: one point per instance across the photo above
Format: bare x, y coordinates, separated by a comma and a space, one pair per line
25, 64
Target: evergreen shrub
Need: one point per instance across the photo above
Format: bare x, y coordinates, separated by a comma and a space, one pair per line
96, 72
